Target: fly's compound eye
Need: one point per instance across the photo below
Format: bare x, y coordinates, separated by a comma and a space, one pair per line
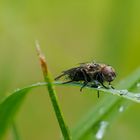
109, 73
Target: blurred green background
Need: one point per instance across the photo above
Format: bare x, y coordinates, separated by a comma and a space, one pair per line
69, 32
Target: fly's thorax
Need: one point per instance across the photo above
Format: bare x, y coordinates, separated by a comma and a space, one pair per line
92, 67
93, 71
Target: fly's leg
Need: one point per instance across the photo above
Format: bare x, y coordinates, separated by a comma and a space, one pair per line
85, 80
84, 84
84, 74
95, 85
104, 86
98, 94
111, 86
101, 81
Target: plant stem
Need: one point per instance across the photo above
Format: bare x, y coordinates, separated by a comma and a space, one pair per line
52, 94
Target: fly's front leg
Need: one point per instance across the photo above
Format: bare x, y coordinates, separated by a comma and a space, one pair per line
104, 86
84, 84
84, 74
85, 79
111, 85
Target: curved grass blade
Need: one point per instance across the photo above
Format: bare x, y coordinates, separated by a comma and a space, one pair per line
107, 110
15, 132
10, 105
121, 93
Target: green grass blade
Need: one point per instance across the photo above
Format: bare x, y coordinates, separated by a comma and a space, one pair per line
15, 132
107, 110
121, 93
52, 94
10, 105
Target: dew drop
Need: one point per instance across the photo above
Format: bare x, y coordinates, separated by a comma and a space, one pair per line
39, 83
99, 87
123, 92
137, 96
17, 90
121, 109
138, 84
101, 131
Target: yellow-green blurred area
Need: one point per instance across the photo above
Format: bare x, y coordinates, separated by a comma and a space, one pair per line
69, 32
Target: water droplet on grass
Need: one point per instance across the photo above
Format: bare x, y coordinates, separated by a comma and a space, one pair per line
39, 83
123, 92
17, 90
137, 96
99, 87
101, 131
121, 109
138, 85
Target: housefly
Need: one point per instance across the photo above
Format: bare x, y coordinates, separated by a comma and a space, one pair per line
94, 73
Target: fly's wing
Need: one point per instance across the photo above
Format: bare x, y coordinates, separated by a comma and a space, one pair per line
67, 73
58, 77
85, 63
